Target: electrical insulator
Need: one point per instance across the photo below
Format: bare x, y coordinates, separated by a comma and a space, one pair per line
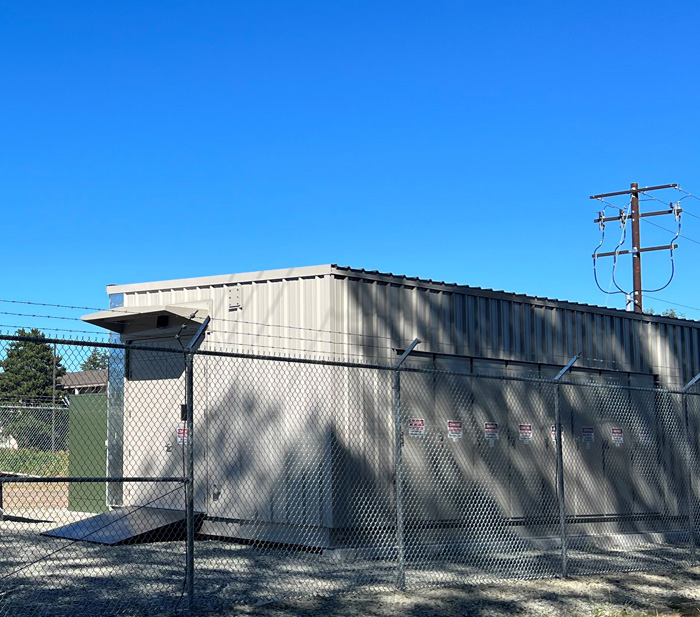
676, 210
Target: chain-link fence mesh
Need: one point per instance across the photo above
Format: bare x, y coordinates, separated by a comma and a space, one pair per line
70, 543
304, 484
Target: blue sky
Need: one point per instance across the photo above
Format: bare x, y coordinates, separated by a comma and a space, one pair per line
450, 140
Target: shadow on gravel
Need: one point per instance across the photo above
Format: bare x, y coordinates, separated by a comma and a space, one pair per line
668, 593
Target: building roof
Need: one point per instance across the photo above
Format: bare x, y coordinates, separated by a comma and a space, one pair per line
85, 379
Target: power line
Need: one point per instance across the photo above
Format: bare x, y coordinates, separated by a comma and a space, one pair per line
19, 327
126, 311
692, 308
251, 334
671, 231
40, 316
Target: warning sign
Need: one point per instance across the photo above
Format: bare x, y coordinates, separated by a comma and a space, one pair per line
554, 432
645, 437
182, 436
454, 429
491, 430
525, 431
617, 436
587, 434
416, 427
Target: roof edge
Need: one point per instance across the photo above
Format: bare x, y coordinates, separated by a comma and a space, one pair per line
389, 278
223, 279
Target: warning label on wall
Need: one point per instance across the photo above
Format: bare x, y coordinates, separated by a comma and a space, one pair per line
416, 427
554, 432
645, 437
617, 436
525, 431
587, 434
491, 430
454, 429
182, 436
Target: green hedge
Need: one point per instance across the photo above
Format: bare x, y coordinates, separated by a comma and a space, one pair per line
34, 462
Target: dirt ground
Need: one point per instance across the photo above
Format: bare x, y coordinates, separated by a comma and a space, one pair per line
675, 593
35, 495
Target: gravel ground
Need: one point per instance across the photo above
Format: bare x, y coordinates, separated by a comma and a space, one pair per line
641, 593
51, 577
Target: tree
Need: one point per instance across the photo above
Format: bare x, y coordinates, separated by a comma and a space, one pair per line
27, 381
667, 313
97, 360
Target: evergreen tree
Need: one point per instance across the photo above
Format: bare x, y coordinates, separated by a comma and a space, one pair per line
27, 380
97, 360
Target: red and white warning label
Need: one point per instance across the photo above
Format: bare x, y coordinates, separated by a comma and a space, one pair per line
182, 436
454, 429
587, 434
416, 427
525, 431
554, 432
617, 435
491, 430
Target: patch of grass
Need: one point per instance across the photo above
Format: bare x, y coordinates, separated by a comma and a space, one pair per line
34, 462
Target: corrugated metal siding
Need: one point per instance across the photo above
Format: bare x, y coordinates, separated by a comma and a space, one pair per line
367, 317
290, 316
379, 316
342, 413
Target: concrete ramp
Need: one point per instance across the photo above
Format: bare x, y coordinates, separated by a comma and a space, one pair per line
128, 526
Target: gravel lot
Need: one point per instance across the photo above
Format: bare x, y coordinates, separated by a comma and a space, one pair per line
664, 593
55, 578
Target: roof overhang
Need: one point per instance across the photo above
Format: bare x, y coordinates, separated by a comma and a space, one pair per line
139, 319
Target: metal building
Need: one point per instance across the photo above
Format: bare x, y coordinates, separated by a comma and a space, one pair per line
345, 314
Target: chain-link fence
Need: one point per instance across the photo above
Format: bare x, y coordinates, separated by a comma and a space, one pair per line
193, 478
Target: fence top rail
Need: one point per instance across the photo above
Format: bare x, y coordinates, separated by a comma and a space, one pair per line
26, 479
194, 352
338, 363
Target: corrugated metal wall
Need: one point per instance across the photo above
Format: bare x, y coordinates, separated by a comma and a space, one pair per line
275, 317
359, 316
378, 313
345, 313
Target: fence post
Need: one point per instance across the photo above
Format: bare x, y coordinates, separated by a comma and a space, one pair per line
560, 467
53, 403
189, 463
398, 469
189, 479
688, 468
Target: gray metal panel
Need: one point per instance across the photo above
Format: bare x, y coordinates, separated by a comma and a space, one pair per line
492, 465
647, 476
583, 447
261, 403
533, 463
126, 525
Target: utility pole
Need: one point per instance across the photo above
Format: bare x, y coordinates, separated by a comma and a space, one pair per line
636, 255
637, 249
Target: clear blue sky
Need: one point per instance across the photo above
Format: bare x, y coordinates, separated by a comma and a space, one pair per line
451, 140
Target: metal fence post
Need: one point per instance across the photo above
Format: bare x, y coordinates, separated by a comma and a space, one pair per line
688, 468
189, 462
189, 475
398, 470
560, 467
53, 403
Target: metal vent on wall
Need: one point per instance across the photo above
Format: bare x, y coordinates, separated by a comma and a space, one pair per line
234, 298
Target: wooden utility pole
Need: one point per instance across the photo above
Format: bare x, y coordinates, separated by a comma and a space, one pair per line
637, 249
636, 255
